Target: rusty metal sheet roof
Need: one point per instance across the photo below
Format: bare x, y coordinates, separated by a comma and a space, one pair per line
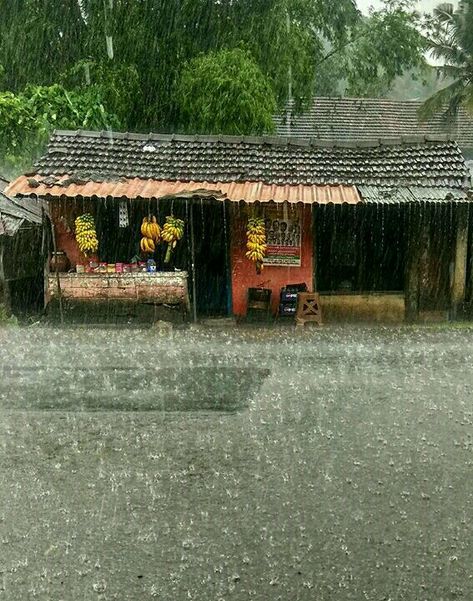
149, 188
411, 194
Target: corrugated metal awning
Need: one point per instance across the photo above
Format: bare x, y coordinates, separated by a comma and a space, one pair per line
411, 194
139, 188
15, 212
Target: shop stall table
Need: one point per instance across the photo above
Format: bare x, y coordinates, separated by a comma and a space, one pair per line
159, 288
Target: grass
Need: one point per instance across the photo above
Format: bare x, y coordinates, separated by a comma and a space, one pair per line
6, 318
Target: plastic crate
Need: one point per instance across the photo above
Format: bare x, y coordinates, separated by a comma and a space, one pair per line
288, 297
287, 309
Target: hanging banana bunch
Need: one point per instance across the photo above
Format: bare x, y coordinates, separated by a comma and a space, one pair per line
173, 231
86, 235
256, 242
151, 233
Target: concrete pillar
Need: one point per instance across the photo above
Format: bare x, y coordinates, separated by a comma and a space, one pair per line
460, 260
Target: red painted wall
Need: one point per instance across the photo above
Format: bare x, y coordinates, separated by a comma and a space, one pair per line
244, 274
63, 214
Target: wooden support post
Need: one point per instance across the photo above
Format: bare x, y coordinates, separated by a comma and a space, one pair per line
58, 282
461, 255
2, 276
45, 246
412, 265
194, 285
314, 216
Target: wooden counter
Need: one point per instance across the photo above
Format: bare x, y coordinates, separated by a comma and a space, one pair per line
152, 288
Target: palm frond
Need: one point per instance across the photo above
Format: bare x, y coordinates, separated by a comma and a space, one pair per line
467, 101
444, 13
446, 51
451, 71
444, 100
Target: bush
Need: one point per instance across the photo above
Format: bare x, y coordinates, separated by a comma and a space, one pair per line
225, 92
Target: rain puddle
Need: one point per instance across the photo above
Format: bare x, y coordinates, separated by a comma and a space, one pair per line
194, 388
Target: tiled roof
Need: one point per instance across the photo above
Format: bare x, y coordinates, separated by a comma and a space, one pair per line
361, 119
99, 156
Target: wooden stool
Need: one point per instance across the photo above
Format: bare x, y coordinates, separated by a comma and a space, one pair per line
308, 308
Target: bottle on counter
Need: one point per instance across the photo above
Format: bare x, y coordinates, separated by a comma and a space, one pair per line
151, 266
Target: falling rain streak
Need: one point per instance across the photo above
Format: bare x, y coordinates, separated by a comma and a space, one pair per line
235, 351
130, 484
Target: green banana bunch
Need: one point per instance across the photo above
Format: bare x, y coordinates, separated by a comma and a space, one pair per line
173, 231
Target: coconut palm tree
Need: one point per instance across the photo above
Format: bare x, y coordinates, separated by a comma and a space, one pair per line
450, 41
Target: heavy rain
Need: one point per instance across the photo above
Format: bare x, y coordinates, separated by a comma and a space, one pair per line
236, 300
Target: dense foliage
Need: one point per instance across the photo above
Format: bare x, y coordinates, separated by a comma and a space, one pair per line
382, 47
121, 62
225, 92
28, 118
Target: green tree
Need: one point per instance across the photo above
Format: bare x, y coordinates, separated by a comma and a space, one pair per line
450, 41
117, 85
40, 39
130, 53
289, 38
27, 119
225, 92
381, 48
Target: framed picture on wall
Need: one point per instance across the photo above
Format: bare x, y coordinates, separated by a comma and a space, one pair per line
283, 237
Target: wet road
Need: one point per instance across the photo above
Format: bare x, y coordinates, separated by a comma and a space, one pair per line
334, 464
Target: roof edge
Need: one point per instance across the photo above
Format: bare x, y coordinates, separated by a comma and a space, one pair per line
257, 140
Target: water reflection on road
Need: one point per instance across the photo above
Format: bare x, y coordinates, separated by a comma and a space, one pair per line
256, 464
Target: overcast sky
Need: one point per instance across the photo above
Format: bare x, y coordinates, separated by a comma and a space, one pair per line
422, 5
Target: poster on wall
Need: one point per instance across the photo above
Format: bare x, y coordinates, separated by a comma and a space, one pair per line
283, 237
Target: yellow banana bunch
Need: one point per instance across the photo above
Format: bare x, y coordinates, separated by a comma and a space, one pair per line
86, 235
150, 228
151, 233
256, 242
147, 245
173, 231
